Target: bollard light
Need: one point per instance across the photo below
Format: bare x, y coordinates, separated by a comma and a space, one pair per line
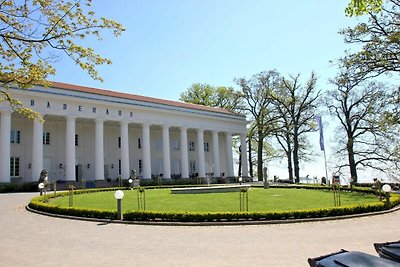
130, 181
119, 195
387, 188
41, 186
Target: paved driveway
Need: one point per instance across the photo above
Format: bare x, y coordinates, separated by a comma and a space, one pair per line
28, 239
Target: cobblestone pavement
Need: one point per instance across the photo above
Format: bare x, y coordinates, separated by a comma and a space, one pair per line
29, 239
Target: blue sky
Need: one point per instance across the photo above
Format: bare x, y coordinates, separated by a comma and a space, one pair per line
169, 45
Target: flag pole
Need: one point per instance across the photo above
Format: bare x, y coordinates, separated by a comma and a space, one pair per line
326, 169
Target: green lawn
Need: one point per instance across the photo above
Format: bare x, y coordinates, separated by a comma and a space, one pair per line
259, 200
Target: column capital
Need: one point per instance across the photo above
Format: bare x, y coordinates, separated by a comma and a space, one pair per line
70, 118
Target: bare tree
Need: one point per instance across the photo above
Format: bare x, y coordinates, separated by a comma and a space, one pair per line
368, 140
296, 105
256, 93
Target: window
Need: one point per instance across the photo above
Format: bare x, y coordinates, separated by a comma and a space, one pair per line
159, 145
176, 145
140, 166
139, 143
76, 140
119, 167
119, 142
46, 138
191, 146
192, 166
15, 137
14, 167
206, 147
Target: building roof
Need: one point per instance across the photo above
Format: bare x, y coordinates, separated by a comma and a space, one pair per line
104, 92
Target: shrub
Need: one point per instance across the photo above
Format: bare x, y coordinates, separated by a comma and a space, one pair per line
254, 216
25, 187
37, 203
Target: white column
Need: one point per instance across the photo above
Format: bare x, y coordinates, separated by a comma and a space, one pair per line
146, 151
166, 152
245, 169
184, 154
5, 131
229, 157
37, 150
200, 148
215, 153
70, 150
124, 150
99, 150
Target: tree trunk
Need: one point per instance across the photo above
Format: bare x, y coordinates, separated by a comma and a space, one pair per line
289, 157
260, 156
290, 167
250, 160
296, 155
352, 162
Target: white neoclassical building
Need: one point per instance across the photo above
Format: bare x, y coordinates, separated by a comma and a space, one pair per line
95, 134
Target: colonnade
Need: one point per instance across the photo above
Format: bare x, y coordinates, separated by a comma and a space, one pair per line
70, 155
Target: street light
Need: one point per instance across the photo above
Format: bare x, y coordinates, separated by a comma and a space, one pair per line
130, 181
387, 188
240, 180
119, 195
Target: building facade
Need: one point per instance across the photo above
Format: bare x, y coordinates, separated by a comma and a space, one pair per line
95, 134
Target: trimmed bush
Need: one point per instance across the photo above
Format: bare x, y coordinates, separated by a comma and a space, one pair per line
37, 203
252, 216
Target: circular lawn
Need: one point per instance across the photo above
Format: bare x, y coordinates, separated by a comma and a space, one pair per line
259, 200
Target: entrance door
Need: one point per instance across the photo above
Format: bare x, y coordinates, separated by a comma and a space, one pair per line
78, 172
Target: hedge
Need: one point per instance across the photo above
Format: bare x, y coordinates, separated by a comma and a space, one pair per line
37, 203
255, 216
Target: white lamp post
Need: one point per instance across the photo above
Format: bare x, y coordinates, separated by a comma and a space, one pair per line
119, 195
240, 180
130, 181
386, 188
41, 186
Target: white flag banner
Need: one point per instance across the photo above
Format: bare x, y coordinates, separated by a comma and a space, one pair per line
321, 132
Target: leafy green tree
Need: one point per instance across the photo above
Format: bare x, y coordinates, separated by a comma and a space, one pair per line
36, 33
360, 7
207, 95
379, 38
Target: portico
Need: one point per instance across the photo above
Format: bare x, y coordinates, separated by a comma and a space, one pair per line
95, 134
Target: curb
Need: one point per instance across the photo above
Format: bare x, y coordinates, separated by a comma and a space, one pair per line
216, 223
